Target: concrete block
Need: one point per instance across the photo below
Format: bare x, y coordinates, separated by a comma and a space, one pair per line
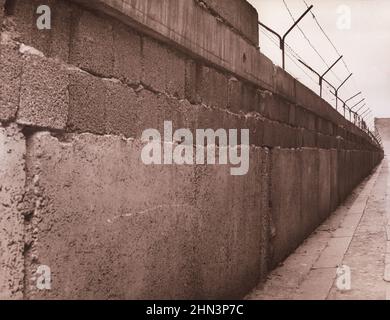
270, 139
2, 13
279, 135
12, 182
309, 138
176, 74
127, 55
163, 242
341, 132
212, 87
287, 222
60, 33
325, 184
234, 94
294, 137
133, 247
342, 174
164, 69
40, 39
284, 84
279, 110
238, 252
305, 119
292, 115
22, 20
274, 107
191, 92
304, 96
309, 191
242, 96
325, 141
10, 73
129, 113
340, 143
212, 118
265, 97
219, 45
44, 97
54, 42
122, 112
154, 116
87, 103
256, 129
349, 174
151, 110
230, 120
324, 126
250, 98
334, 196
325, 110
92, 43
329, 112
266, 75
311, 101
240, 15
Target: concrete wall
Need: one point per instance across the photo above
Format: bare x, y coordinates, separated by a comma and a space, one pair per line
12, 183
74, 102
130, 231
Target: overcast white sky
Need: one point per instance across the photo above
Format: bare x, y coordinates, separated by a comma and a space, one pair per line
365, 45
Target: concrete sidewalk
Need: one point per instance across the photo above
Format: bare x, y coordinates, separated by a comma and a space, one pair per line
356, 236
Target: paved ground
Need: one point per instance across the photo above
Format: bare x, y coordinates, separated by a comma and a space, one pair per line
357, 236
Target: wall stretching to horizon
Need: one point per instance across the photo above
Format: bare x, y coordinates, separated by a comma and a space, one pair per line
74, 193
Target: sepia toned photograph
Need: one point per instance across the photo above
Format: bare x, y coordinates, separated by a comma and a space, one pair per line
202, 156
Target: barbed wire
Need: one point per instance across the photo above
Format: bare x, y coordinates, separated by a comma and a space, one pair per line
294, 57
291, 55
308, 40
331, 42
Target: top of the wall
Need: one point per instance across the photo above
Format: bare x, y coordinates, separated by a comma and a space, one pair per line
193, 27
190, 26
240, 14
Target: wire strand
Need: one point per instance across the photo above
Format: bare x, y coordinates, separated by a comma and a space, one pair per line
331, 42
294, 56
308, 40
291, 56
327, 37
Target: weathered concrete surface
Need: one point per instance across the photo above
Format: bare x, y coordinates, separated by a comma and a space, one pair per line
310, 213
286, 203
163, 232
334, 180
306, 186
135, 59
219, 45
325, 184
2, 11
165, 77
353, 236
356, 235
91, 34
240, 15
12, 182
10, 73
127, 55
44, 95
134, 231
